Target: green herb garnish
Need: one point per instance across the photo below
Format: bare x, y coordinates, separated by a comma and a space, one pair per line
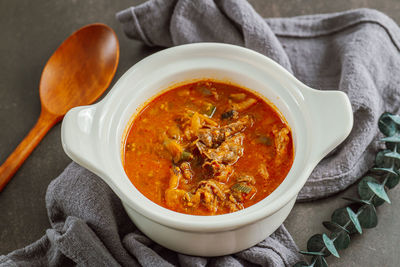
186, 156
204, 90
241, 188
210, 110
265, 140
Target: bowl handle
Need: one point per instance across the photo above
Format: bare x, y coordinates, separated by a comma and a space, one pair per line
77, 137
331, 119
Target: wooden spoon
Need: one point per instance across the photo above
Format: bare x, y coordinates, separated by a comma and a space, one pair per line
78, 72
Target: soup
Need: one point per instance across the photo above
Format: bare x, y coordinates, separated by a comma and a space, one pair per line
207, 148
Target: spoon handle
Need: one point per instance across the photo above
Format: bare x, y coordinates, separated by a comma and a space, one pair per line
45, 122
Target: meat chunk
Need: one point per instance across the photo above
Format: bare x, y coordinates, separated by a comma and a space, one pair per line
246, 179
174, 198
238, 126
210, 194
211, 137
213, 186
281, 140
176, 177
174, 133
186, 170
244, 104
263, 171
174, 148
238, 96
191, 122
214, 136
173, 195
228, 152
221, 172
233, 204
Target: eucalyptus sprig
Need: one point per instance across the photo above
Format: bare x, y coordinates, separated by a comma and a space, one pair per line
361, 212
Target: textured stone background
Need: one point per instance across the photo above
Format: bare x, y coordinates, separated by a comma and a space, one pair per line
32, 30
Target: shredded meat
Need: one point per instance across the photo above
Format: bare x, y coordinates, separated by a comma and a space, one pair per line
233, 204
209, 193
214, 136
220, 148
214, 186
221, 172
192, 122
186, 170
228, 152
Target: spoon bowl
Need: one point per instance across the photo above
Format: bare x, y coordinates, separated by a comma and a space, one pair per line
80, 70
78, 73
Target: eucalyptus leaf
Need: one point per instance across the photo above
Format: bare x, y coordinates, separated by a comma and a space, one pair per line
367, 216
393, 155
395, 118
330, 245
365, 192
391, 139
316, 244
379, 190
341, 240
357, 200
313, 253
387, 162
320, 262
341, 217
392, 181
386, 125
390, 145
382, 161
386, 170
334, 227
354, 219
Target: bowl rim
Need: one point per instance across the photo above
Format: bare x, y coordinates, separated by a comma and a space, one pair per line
224, 222
239, 218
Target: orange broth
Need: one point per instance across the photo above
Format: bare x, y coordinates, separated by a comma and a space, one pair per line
167, 161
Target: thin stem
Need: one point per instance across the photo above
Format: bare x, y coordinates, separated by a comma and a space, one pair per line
314, 261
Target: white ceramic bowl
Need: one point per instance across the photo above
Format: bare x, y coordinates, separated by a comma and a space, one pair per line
93, 137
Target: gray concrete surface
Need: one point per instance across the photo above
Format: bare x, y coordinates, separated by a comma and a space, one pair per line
32, 30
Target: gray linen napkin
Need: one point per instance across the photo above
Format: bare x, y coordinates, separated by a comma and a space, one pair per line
355, 51
91, 228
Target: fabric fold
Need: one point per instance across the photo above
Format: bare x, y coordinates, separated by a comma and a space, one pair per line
325, 24
91, 228
355, 51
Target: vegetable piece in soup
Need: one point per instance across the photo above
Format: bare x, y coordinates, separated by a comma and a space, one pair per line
208, 148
